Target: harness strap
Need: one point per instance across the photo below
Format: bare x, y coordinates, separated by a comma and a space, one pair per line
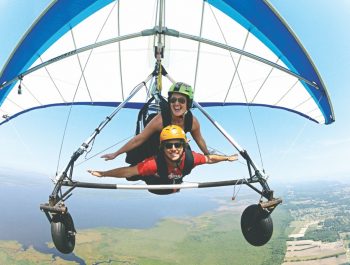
188, 121
163, 169
166, 116
150, 147
142, 116
189, 161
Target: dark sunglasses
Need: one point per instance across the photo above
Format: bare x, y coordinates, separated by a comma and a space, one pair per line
180, 100
170, 145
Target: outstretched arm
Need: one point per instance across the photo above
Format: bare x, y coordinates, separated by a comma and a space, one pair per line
197, 136
155, 125
212, 159
121, 172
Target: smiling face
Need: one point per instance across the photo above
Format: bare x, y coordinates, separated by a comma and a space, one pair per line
178, 104
173, 149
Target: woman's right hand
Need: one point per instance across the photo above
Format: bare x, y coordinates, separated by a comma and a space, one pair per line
109, 156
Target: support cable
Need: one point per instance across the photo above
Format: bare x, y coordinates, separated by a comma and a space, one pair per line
104, 150
199, 47
27, 148
76, 90
120, 54
264, 82
14, 103
233, 61
53, 82
216, 151
239, 183
297, 137
82, 76
285, 94
31, 93
241, 83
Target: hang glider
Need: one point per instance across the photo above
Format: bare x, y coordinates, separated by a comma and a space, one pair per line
93, 53
232, 52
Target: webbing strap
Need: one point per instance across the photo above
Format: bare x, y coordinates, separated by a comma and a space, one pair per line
163, 169
188, 121
166, 116
142, 116
189, 161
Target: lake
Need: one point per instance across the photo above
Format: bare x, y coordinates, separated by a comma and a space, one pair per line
22, 220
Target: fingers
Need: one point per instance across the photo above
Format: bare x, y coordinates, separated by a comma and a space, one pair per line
95, 173
233, 157
108, 157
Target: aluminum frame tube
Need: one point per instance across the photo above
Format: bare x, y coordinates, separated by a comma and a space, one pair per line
85, 144
228, 137
185, 185
147, 32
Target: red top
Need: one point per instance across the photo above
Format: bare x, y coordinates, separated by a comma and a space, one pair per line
149, 166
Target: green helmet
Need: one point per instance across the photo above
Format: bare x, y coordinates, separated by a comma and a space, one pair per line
184, 89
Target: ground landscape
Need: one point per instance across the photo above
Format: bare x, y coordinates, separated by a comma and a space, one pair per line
310, 227
321, 228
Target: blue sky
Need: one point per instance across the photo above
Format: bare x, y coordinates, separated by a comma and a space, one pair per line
292, 148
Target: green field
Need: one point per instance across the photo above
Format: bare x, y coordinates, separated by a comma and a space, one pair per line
212, 238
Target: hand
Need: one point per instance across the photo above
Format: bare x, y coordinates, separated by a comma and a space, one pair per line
109, 156
95, 173
232, 157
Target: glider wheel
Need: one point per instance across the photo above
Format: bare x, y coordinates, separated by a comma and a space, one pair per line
256, 225
63, 232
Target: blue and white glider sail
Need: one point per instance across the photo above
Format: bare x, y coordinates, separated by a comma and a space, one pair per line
95, 51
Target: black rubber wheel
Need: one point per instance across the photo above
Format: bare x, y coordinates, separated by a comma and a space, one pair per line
256, 225
63, 233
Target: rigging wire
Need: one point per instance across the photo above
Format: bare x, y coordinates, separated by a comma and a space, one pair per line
82, 76
216, 151
297, 137
30, 92
53, 82
120, 54
63, 137
76, 90
28, 150
102, 151
241, 83
14, 103
233, 61
199, 47
82, 69
264, 82
239, 183
285, 94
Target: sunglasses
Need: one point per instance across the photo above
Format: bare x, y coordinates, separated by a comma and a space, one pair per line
170, 145
180, 100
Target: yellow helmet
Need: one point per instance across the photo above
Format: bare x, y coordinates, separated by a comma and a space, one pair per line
172, 132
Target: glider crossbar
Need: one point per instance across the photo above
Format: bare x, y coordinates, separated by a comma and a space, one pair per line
174, 33
143, 33
186, 185
259, 175
85, 145
154, 31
